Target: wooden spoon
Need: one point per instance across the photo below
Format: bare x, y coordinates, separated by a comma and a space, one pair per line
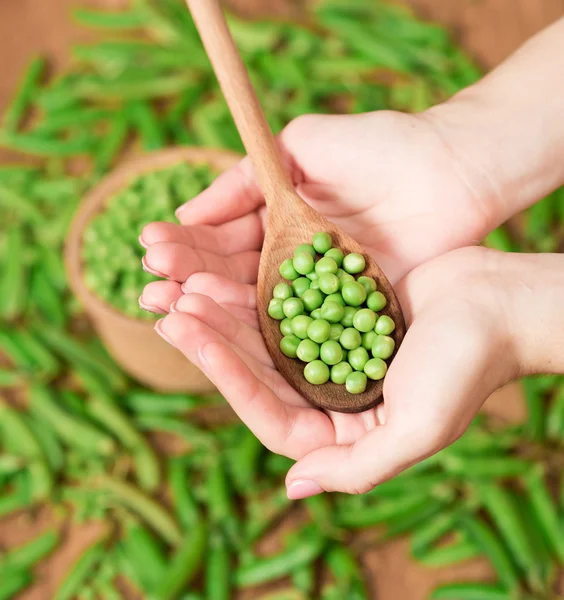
290, 220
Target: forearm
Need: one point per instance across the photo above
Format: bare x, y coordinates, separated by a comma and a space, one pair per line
507, 131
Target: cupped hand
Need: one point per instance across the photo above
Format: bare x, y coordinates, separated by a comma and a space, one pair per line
448, 364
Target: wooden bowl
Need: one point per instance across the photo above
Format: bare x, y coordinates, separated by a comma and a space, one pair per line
132, 342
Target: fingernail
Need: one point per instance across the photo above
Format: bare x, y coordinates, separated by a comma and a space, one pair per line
179, 211
173, 308
150, 308
303, 488
142, 242
148, 269
159, 330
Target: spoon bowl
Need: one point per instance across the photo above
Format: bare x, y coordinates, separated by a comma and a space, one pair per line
290, 220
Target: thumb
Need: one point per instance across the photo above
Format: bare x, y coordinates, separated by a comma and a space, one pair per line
440, 377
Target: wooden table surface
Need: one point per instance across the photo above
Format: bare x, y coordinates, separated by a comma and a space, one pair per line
489, 29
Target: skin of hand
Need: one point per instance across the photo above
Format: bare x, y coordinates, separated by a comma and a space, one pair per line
477, 319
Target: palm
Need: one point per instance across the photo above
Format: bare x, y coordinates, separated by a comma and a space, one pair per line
398, 193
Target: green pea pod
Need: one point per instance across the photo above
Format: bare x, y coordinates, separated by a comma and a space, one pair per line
20, 438
545, 510
72, 430
42, 145
147, 403
131, 19
13, 278
242, 461
114, 420
540, 219
13, 583
71, 118
195, 437
555, 417
10, 464
266, 569
185, 505
220, 506
505, 515
347, 572
303, 579
218, 569
107, 590
46, 299
443, 556
13, 201
411, 519
486, 468
24, 96
81, 570
184, 564
479, 533
146, 556
470, 591
146, 123
536, 409
144, 506
46, 365
380, 512
277, 465
112, 143
9, 378
27, 555
432, 531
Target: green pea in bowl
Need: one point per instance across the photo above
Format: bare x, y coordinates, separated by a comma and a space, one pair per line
103, 261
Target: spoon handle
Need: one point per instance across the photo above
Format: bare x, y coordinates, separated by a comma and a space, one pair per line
241, 98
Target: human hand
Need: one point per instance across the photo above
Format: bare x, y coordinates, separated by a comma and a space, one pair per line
471, 330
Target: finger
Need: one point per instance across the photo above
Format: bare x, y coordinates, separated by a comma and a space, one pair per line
222, 289
438, 380
172, 260
157, 296
224, 322
232, 195
239, 235
284, 428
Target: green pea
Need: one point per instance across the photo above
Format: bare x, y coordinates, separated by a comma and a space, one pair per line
356, 382
368, 283
368, 340
340, 272
307, 248
319, 331
316, 372
364, 320
384, 325
375, 368
289, 345
287, 270
325, 265
300, 285
336, 255
303, 263
340, 372
335, 298
322, 242
331, 352
308, 351
354, 263
350, 338
358, 358
376, 301
328, 283
383, 347
286, 327
313, 276
292, 307
282, 291
300, 325
350, 312
275, 309
353, 293
312, 299
336, 330
332, 312
314, 284
316, 314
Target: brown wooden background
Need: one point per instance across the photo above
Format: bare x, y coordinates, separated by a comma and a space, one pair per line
489, 29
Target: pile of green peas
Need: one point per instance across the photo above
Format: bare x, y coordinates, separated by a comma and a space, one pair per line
111, 253
329, 317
